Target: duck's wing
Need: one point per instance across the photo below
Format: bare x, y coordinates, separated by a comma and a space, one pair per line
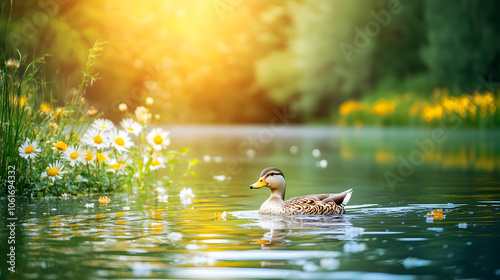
317, 204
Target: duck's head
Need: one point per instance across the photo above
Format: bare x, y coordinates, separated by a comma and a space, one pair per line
271, 178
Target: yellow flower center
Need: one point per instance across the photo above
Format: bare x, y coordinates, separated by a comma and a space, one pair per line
53, 172
61, 146
101, 157
98, 139
103, 127
130, 128
89, 156
74, 155
155, 162
119, 141
158, 140
116, 165
29, 149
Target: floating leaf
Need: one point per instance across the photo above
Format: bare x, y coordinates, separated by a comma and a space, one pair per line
104, 200
436, 214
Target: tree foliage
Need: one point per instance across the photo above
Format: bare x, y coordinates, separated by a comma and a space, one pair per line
228, 61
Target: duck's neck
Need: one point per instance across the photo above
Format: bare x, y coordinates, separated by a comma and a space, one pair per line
279, 193
279, 190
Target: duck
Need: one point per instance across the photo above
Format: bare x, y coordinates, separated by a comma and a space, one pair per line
313, 204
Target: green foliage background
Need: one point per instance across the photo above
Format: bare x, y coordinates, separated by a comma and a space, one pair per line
227, 61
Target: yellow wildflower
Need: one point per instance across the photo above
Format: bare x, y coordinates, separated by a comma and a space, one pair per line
350, 106
383, 107
431, 112
46, 108
60, 145
484, 100
21, 101
58, 112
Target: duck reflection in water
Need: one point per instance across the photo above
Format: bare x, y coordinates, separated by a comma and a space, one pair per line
281, 227
284, 226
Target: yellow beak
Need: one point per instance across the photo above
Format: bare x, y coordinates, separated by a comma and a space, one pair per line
259, 184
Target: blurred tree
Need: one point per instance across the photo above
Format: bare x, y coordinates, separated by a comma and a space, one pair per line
328, 55
397, 51
462, 42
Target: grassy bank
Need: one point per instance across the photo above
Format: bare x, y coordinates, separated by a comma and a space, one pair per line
477, 109
62, 147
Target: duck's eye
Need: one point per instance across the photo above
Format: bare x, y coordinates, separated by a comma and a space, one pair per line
260, 180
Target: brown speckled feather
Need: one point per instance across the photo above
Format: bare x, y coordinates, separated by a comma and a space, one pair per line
312, 205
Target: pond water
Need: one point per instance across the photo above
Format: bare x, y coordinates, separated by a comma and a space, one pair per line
397, 175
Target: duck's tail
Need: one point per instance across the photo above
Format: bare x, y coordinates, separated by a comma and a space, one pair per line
340, 198
347, 197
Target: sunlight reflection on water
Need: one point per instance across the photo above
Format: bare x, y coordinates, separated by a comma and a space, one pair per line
383, 235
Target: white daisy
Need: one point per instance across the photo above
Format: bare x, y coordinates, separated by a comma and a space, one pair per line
53, 172
121, 140
131, 126
158, 138
186, 195
96, 138
29, 149
157, 162
115, 166
74, 155
103, 125
102, 157
88, 156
